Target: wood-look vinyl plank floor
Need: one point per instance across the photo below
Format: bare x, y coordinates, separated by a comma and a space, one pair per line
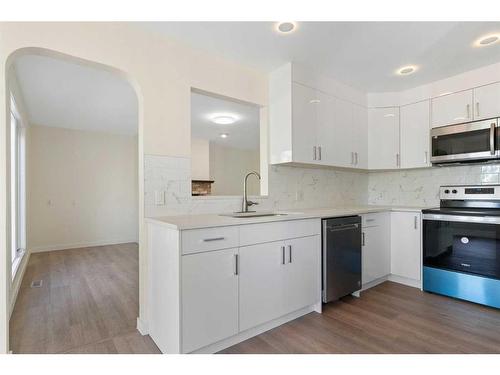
389, 318
88, 303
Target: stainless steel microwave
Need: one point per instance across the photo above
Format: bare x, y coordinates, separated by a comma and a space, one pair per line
470, 142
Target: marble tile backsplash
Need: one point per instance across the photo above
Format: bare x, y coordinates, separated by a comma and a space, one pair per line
420, 187
289, 188
293, 188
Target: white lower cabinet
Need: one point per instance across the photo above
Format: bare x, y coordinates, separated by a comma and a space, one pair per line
376, 249
262, 283
210, 298
277, 278
302, 281
406, 245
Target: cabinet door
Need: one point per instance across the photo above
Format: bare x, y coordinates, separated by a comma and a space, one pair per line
360, 136
209, 298
452, 109
405, 244
415, 135
262, 283
376, 253
303, 272
383, 138
326, 129
487, 101
343, 134
304, 103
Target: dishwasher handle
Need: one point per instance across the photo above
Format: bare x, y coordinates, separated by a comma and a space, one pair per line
337, 228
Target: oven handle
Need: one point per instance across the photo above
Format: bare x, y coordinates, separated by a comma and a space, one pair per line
463, 219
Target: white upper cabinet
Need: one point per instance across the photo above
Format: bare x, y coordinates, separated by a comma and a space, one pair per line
383, 138
304, 116
452, 109
487, 101
313, 126
415, 135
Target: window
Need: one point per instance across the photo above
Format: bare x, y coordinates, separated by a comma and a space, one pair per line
18, 187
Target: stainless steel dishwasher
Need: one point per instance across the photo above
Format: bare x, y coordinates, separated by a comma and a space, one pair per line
341, 257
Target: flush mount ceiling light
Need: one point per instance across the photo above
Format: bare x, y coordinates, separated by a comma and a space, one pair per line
406, 70
487, 40
285, 27
224, 135
224, 119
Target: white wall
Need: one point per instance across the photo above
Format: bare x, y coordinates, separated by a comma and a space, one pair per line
82, 189
162, 72
200, 154
228, 167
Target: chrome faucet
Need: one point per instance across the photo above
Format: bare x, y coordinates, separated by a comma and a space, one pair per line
246, 202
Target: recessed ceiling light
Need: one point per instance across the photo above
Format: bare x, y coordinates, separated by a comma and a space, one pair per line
224, 120
285, 27
487, 40
224, 135
405, 70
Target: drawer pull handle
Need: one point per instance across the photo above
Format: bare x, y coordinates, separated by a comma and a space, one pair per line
289, 253
236, 264
282, 254
369, 220
214, 239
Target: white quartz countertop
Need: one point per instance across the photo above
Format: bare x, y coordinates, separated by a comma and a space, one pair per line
184, 222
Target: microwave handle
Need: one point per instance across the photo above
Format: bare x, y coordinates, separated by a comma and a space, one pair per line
492, 138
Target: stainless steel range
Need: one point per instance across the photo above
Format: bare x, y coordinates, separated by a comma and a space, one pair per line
461, 244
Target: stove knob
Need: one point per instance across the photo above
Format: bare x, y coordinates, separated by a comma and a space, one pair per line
447, 191
454, 191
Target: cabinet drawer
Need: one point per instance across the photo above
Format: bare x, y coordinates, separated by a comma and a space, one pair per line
266, 232
208, 239
373, 220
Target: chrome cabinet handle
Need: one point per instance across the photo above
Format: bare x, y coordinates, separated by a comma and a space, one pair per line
236, 264
426, 157
363, 239
289, 253
319, 152
415, 222
356, 158
477, 109
492, 138
282, 254
468, 111
397, 160
214, 239
314, 153
352, 158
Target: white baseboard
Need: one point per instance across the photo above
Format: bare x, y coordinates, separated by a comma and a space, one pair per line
405, 281
142, 327
39, 249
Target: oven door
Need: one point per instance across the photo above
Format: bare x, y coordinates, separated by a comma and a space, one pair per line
469, 244
465, 142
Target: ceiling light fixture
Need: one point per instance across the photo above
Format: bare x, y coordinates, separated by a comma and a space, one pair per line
406, 70
487, 40
285, 27
223, 119
224, 135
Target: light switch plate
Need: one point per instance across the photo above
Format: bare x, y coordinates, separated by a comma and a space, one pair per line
159, 197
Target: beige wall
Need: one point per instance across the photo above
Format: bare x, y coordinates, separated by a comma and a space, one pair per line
228, 167
200, 166
163, 73
82, 188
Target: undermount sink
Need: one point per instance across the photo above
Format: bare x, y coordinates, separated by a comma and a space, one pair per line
253, 214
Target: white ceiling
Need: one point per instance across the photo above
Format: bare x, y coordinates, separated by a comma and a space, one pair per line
243, 134
361, 54
68, 95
